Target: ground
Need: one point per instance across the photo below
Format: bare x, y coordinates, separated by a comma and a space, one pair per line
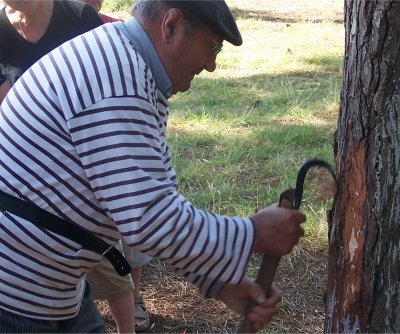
176, 306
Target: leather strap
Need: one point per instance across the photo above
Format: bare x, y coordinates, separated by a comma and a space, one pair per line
46, 220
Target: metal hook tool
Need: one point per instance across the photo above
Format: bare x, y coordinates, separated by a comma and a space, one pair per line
291, 199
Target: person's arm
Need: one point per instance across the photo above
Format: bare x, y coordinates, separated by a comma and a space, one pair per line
121, 149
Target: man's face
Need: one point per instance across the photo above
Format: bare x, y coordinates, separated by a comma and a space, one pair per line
194, 50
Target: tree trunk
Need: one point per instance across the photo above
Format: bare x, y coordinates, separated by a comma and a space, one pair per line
363, 293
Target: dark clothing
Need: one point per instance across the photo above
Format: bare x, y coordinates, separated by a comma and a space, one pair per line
88, 320
69, 19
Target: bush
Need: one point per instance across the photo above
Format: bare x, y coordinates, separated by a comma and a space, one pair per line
118, 5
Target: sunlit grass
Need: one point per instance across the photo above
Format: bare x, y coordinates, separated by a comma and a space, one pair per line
240, 134
117, 5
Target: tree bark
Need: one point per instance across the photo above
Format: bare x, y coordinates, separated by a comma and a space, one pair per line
363, 292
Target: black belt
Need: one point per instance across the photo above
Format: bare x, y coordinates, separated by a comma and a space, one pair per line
46, 220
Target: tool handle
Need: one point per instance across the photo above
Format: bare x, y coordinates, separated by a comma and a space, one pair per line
268, 268
265, 277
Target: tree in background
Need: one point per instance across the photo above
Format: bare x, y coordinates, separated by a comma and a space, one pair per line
364, 234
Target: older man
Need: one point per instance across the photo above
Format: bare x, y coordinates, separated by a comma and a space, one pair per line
83, 137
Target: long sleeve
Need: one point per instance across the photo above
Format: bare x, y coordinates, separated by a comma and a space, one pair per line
121, 145
82, 135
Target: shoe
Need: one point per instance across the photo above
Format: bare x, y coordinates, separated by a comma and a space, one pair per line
141, 313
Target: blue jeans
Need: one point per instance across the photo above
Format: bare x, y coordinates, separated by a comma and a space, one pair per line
88, 320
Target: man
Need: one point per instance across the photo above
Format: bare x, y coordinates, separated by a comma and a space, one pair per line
83, 137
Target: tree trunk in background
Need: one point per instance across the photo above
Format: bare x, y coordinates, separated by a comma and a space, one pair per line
363, 293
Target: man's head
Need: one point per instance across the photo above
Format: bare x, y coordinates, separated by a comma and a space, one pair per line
187, 35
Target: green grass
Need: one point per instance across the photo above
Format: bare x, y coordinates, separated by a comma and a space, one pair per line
240, 134
117, 5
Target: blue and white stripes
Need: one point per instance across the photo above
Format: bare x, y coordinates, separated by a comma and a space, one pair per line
82, 135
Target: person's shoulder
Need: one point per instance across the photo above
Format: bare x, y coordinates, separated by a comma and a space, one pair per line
74, 5
71, 4
79, 10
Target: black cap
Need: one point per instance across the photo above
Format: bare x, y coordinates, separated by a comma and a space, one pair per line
215, 14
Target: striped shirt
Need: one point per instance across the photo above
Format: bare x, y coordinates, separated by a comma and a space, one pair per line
82, 135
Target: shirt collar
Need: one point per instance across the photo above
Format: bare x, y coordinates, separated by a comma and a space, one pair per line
143, 44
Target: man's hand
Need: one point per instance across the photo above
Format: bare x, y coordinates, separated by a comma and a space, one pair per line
236, 297
277, 230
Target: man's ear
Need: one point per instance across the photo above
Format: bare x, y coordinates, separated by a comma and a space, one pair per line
173, 18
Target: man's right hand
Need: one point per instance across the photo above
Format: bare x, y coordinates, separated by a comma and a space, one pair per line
277, 230
236, 297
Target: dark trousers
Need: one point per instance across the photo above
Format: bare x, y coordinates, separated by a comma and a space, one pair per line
88, 320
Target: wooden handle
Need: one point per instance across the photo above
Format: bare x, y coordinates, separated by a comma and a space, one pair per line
265, 277
268, 268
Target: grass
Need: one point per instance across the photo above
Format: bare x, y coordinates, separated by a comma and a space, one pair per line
239, 136
117, 6
241, 133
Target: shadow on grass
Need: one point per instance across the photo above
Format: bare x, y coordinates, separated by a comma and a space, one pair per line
287, 18
270, 93
218, 129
